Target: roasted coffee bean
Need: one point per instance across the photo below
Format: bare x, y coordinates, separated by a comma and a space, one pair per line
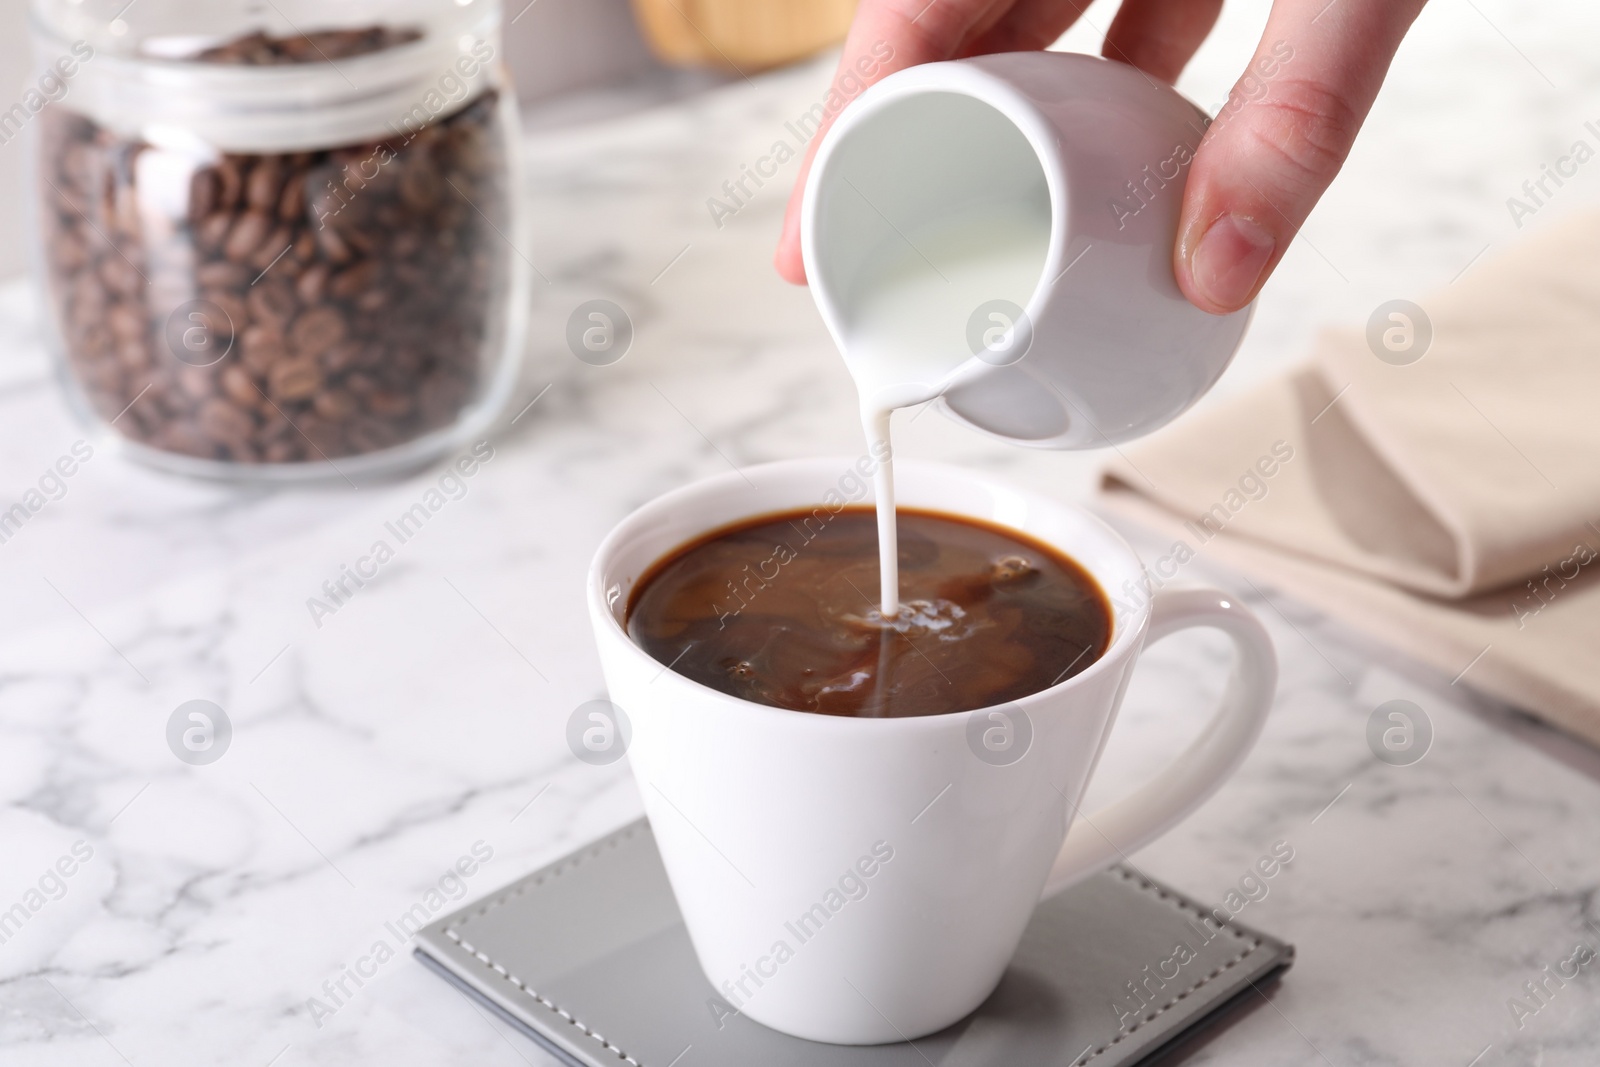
390, 217
204, 191
282, 451
403, 364
221, 420
134, 355
239, 387
213, 230
220, 274
292, 202
234, 311
119, 274
335, 405
362, 242
260, 361
271, 302
265, 184
71, 254
128, 321
166, 398
263, 340
294, 379
230, 183
334, 247
316, 331
361, 384
355, 288
352, 282
272, 251
405, 244
185, 438
389, 405
342, 356
197, 383
246, 235
312, 283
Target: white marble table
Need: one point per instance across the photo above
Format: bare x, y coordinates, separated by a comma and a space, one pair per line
427, 715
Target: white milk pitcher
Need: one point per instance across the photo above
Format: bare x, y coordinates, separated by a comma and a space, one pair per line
997, 233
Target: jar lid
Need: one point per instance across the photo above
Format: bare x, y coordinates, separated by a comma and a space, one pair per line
342, 71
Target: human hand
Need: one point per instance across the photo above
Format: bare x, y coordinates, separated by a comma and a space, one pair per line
1254, 179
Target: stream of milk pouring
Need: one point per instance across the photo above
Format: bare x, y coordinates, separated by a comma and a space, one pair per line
910, 333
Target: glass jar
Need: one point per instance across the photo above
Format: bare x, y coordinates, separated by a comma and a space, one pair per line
278, 241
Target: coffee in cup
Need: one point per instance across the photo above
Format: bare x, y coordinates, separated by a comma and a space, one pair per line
779, 610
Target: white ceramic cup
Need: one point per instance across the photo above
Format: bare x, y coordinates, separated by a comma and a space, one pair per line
895, 861
1094, 155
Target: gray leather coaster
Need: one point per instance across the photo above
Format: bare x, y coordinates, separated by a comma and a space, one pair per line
590, 958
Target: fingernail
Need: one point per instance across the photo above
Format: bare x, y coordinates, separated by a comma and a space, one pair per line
1228, 261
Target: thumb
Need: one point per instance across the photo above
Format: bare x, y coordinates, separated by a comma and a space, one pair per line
1279, 141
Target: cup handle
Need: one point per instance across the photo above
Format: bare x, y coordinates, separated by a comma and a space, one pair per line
1094, 842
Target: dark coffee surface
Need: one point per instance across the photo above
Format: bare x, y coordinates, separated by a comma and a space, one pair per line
782, 611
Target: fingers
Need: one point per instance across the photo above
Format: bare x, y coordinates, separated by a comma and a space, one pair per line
1280, 140
911, 32
1028, 26
1160, 36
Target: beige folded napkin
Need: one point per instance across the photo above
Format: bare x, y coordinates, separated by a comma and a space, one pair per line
1450, 506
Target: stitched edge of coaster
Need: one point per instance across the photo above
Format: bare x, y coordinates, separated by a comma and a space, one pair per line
1179, 903
1182, 905
516, 891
